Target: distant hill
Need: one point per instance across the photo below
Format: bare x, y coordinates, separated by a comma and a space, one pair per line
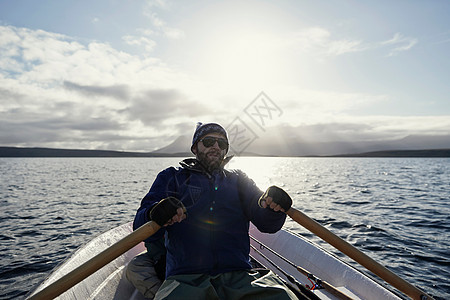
402, 153
51, 152
179, 145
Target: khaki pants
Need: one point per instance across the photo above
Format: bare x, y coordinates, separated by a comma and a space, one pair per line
141, 273
261, 284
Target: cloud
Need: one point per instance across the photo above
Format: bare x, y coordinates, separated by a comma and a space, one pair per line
120, 91
160, 26
313, 104
319, 41
153, 107
8, 96
368, 128
163, 4
64, 125
146, 37
145, 42
400, 43
39, 56
341, 47
56, 89
44, 59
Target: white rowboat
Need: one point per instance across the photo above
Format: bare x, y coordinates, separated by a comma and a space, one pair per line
110, 282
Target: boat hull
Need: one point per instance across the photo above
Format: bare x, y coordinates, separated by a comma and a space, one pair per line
110, 282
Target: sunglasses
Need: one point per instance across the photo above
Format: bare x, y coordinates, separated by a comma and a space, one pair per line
209, 141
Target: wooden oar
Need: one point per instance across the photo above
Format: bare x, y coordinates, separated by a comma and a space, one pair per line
97, 262
356, 255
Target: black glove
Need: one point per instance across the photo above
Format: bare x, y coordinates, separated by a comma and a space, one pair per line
162, 212
279, 196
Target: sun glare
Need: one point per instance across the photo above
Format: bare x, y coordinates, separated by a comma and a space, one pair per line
238, 47
260, 170
247, 59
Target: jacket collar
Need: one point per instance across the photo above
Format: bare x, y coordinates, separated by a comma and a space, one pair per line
193, 164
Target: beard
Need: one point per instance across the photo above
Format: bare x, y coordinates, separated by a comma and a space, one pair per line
211, 159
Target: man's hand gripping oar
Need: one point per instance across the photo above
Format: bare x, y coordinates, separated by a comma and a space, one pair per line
168, 211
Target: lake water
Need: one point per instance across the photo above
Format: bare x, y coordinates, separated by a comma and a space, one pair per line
396, 210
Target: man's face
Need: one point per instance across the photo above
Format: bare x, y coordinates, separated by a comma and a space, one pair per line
212, 156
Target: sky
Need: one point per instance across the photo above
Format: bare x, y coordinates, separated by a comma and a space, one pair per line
134, 75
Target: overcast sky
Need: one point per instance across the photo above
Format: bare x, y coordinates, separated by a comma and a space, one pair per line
134, 75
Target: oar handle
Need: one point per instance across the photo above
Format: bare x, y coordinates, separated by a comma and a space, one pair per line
97, 262
357, 255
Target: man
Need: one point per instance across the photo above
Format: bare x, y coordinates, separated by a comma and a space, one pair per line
205, 212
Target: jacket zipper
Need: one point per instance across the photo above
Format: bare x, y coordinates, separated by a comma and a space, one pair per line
212, 207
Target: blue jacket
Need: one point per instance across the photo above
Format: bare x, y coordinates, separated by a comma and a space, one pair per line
214, 237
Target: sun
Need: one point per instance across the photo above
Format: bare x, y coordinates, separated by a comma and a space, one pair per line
238, 46
249, 58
